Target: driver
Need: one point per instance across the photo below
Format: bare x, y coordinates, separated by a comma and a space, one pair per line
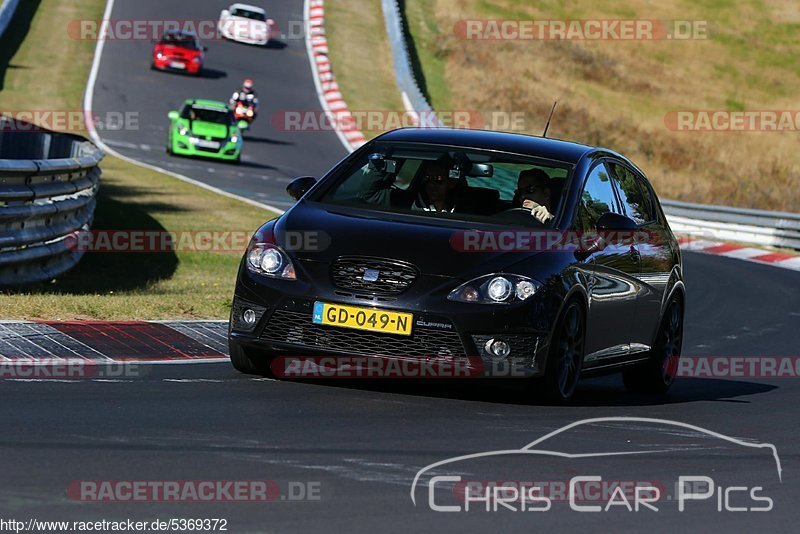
534, 193
246, 95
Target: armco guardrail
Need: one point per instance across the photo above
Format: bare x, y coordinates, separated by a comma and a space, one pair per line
7, 9
772, 228
777, 229
413, 98
48, 184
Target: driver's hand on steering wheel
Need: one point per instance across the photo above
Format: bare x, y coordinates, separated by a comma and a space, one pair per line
537, 210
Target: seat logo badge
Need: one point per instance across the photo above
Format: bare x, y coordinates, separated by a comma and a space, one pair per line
371, 275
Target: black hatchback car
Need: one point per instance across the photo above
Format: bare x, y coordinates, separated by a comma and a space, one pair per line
548, 257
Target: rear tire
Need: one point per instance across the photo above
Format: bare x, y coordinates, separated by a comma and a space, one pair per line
565, 356
248, 361
658, 373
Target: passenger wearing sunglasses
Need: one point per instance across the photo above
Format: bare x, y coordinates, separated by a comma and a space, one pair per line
534, 193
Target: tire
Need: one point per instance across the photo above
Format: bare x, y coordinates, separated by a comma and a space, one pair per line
565, 357
249, 362
658, 373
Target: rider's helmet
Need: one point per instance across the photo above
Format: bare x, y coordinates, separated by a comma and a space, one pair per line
247, 86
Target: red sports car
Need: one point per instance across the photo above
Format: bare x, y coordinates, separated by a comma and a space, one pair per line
179, 51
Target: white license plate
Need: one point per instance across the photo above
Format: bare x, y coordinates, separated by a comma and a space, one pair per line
177, 65
207, 144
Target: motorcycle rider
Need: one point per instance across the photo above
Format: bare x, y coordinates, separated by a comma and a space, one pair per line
247, 97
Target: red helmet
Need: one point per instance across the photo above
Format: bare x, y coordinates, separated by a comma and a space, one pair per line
247, 86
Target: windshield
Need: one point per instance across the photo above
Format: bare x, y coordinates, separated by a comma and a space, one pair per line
247, 14
453, 183
179, 39
195, 113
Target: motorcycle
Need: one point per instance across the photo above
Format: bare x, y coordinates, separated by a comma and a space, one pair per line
245, 112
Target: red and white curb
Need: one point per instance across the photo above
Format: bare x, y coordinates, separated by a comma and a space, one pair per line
740, 252
327, 89
103, 342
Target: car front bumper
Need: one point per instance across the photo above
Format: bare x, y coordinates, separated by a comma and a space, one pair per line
442, 330
246, 38
228, 151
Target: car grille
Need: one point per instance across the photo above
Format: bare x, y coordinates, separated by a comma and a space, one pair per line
394, 276
296, 328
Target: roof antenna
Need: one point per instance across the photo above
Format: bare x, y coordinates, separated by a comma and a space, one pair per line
544, 134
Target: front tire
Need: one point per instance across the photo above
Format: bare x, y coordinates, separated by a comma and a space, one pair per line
565, 357
658, 373
248, 362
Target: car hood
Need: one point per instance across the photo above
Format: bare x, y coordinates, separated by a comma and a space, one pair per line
314, 232
209, 129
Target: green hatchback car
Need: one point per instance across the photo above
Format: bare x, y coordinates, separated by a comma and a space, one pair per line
205, 128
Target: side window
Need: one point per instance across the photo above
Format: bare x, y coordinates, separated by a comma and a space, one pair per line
635, 202
597, 197
648, 195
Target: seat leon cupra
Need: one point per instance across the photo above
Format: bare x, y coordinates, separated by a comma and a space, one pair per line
547, 258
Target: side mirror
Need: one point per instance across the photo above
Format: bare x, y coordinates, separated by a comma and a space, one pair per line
243, 125
614, 222
173, 115
298, 187
608, 223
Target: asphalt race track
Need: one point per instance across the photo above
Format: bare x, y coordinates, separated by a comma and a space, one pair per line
362, 443
282, 74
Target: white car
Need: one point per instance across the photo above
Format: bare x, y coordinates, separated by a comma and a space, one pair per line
246, 24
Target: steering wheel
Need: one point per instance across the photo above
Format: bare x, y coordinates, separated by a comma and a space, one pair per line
519, 216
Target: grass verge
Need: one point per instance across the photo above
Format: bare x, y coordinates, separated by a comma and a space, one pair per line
618, 93
41, 68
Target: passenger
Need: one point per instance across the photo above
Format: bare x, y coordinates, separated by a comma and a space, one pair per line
439, 190
534, 192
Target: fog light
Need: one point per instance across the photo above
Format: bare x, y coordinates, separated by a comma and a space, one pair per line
498, 348
249, 317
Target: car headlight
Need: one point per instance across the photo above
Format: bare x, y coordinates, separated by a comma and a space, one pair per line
234, 139
183, 130
195, 60
270, 260
495, 289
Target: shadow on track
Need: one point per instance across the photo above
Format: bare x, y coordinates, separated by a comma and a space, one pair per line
604, 391
266, 140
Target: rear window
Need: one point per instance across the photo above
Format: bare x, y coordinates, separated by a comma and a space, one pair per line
175, 39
